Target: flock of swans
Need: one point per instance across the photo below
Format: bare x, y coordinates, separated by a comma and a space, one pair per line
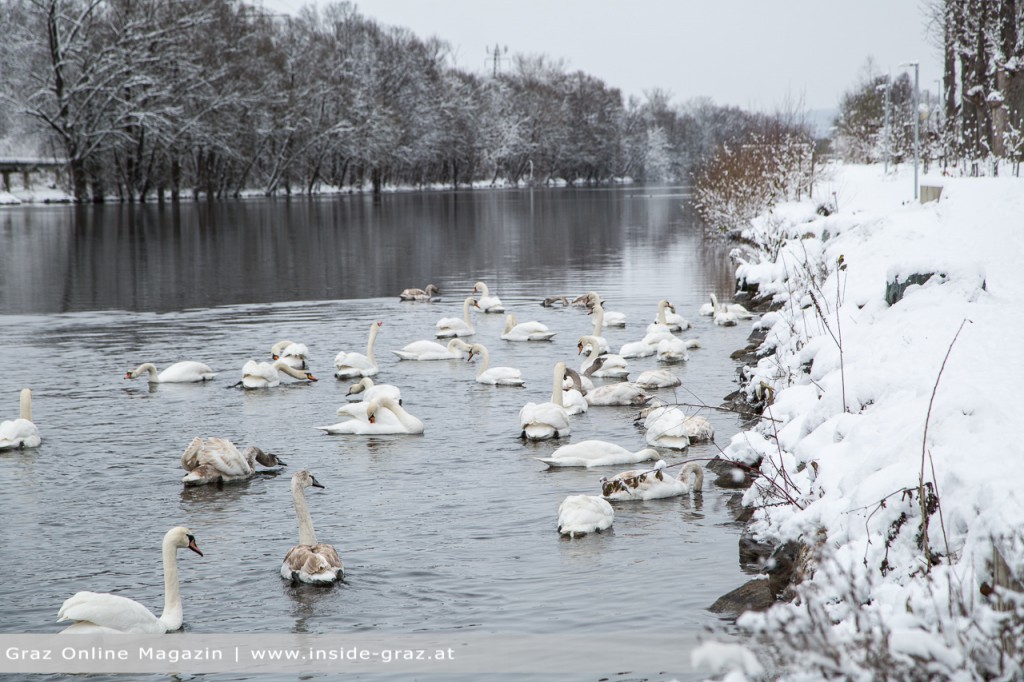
380, 411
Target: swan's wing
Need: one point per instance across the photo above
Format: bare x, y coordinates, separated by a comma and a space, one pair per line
259, 370
421, 347
222, 455
584, 514
109, 611
544, 413
353, 360
190, 458
295, 350
19, 433
187, 371
317, 563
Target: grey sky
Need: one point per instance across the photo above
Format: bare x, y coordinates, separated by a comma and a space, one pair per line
750, 53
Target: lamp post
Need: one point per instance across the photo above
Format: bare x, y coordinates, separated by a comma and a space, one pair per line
886, 87
917, 122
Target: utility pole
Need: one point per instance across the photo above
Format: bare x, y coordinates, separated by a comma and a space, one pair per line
496, 56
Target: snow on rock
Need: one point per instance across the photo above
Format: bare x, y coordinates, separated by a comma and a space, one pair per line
850, 380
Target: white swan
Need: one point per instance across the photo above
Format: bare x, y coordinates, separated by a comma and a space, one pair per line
95, 612
653, 484
540, 421
294, 354
709, 309
573, 398
494, 376
582, 514
621, 393
453, 326
425, 294
728, 316
668, 319
612, 367
267, 375
609, 318
637, 349
658, 378
309, 561
525, 331
596, 453
670, 427
184, 372
381, 416
351, 365
602, 343
672, 351
486, 302
371, 390
21, 432
217, 460
457, 349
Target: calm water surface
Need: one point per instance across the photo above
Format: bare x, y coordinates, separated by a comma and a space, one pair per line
449, 531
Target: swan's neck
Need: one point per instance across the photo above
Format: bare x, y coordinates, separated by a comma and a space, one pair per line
404, 418
484, 292
306, 534
172, 616
282, 366
556, 390
661, 314
26, 404
598, 319
594, 351
146, 367
370, 343
465, 311
714, 304
510, 323
485, 361
698, 476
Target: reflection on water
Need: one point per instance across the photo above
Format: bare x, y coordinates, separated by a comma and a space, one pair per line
443, 532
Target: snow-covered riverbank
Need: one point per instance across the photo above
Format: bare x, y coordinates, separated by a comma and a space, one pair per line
859, 422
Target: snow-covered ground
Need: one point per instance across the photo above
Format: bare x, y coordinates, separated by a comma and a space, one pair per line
851, 382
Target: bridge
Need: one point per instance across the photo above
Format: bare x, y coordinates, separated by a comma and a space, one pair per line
28, 166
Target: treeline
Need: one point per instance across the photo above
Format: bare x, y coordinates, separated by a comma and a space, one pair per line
976, 122
170, 98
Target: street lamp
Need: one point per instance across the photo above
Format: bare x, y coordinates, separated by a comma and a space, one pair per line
886, 87
917, 122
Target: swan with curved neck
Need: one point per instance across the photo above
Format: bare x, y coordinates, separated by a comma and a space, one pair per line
486, 302
267, 375
217, 460
95, 612
457, 349
525, 331
425, 294
546, 420
371, 390
574, 397
453, 326
187, 371
613, 366
20, 432
309, 561
378, 417
609, 318
653, 484
596, 453
579, 515
350, 365
493, 376
292, 353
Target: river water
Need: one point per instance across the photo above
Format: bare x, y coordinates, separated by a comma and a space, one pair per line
452, 531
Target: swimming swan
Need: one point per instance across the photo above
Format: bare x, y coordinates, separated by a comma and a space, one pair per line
380, 417
457, 349
609, 318
95, 612
596, 453
453, 326
494, 376
294, 354
582, 514
21, 432
525, 331
486, 302
217, 460
184, 372
653, 484
667, 319
540, 421
267, 375
658, 378
350, 365
612, 367
573, 398
426, 294
672, 351
709, 309
309, 561
371, 390
622, 393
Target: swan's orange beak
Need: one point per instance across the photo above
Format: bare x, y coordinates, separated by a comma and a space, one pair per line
373, 420
127, 375
579, 347
275, 357
192, 545
311, 377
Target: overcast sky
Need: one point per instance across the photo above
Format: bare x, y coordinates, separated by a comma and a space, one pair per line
749, 53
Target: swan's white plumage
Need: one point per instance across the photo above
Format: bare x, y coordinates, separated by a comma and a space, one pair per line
309, 561
658, 378
457, 349
184, 372
596, 453
20, 432
667, 427
268, 375
494, 376
98, 612
583, 514
369, 390
486, 302
381, 416
540, 421
295, 355
602, 317
621, 393
653, 484
351, 365
672, 350
612, 366
218, 460
709, 309
454, 326
425, 294
525, 331
637, 349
